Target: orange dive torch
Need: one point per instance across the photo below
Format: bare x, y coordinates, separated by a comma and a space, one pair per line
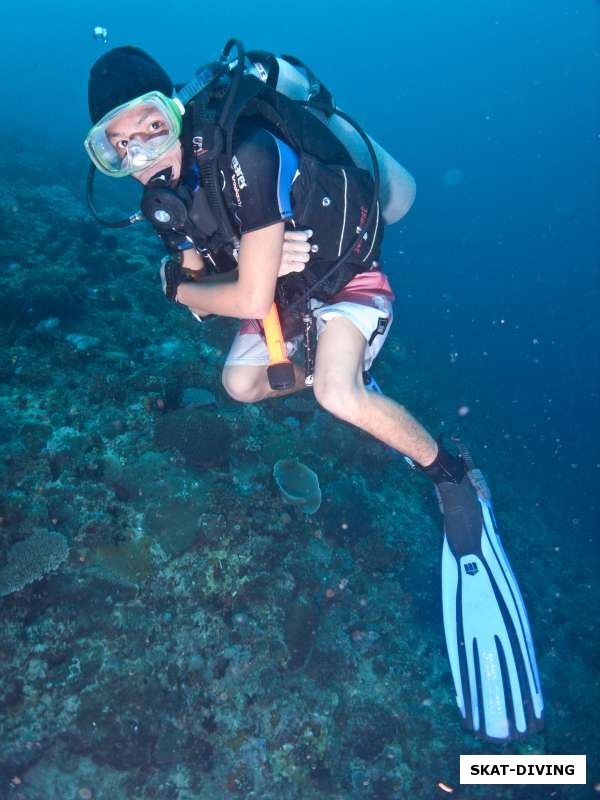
280, 371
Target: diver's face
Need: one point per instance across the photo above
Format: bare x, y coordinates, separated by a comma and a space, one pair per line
143, 125
139, 135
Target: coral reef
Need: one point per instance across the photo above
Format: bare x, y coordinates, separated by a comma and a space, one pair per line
171, 628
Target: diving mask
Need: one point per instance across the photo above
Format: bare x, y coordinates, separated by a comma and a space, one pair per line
134, 135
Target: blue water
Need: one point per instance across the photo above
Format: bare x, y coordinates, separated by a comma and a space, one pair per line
493, 108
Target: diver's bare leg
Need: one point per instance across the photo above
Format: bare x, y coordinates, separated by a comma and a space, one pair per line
339, 388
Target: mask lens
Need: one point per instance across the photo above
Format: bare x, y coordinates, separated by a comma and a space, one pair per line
134, 135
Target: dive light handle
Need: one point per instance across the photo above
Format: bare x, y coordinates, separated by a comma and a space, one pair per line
280, 371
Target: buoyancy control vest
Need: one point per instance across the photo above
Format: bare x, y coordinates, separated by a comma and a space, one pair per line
330, 195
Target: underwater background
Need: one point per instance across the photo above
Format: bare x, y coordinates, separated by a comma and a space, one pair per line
170, 628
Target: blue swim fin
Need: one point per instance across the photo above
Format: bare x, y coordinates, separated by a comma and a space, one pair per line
488, 635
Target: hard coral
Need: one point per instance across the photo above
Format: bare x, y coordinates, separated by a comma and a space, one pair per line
31, 559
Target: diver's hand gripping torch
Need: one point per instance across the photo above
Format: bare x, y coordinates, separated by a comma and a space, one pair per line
280, 371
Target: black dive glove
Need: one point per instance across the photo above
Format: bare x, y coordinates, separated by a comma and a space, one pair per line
171, 275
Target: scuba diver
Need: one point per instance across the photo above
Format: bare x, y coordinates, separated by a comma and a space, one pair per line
270, 199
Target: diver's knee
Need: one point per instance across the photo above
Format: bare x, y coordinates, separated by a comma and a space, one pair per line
243, 384
339, 398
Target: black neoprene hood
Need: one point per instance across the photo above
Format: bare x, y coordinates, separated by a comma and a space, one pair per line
123, 74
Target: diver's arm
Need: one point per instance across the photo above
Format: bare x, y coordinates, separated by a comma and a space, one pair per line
217, 278
251, 296
294, 257
193, 261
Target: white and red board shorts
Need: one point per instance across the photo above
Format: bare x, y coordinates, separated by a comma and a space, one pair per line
366, 302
